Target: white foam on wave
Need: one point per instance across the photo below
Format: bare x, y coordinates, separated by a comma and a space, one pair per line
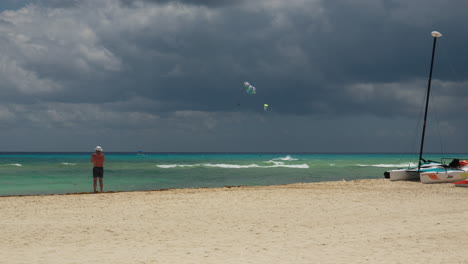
231, 166
287, 158
13, 164
276, 164
297, 166
170, 166
68, 163
167, 166
402, 165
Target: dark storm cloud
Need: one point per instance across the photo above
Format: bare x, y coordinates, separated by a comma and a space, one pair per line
205, 61
312, 58
295, 55
11, 4
58, 3
177, 67
211, 3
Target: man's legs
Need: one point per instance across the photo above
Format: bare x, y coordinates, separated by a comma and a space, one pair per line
101, 184
95, 183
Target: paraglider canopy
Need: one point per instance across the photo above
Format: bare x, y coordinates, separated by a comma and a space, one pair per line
265, 107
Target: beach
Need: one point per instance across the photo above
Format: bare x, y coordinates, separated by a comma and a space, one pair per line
359, 221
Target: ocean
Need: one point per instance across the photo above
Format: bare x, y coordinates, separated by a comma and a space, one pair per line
59, 173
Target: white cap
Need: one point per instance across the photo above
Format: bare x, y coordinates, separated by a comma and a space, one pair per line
98, 148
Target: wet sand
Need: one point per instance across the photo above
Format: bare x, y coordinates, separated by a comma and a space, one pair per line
364, 221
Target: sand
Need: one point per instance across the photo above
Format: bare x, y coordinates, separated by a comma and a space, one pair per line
364, 221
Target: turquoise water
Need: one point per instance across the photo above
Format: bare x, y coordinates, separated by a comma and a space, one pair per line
57, 173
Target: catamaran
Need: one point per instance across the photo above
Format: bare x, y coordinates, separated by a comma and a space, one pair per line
431, 171
413, 173
456, 171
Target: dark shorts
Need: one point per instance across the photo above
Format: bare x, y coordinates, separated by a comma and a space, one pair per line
98, 172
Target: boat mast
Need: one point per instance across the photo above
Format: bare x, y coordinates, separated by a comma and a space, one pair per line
436, 35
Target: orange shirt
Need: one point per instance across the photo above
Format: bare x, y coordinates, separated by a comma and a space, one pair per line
97, 159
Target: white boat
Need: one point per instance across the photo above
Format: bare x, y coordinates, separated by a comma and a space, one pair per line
455, 172
413, 174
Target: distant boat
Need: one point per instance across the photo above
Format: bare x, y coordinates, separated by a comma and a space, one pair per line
140, 152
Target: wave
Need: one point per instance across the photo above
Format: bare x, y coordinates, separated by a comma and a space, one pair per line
170, 166
287, 158
234, 166
12, 164
68, 163
402, 165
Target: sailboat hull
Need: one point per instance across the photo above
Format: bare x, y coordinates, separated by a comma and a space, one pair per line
412, 174
403, 175
461, 183
446, 176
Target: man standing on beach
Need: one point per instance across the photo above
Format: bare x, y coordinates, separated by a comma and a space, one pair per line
98, 170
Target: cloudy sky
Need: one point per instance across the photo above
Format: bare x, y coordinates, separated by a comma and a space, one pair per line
166, 75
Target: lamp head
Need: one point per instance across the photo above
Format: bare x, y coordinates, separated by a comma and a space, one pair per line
436, 34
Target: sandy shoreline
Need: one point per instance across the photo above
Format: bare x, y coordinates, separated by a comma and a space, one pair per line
373, 221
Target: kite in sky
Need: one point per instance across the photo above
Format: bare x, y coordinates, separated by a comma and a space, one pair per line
249, 88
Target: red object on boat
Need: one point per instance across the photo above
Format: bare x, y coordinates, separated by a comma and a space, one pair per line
461, 183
